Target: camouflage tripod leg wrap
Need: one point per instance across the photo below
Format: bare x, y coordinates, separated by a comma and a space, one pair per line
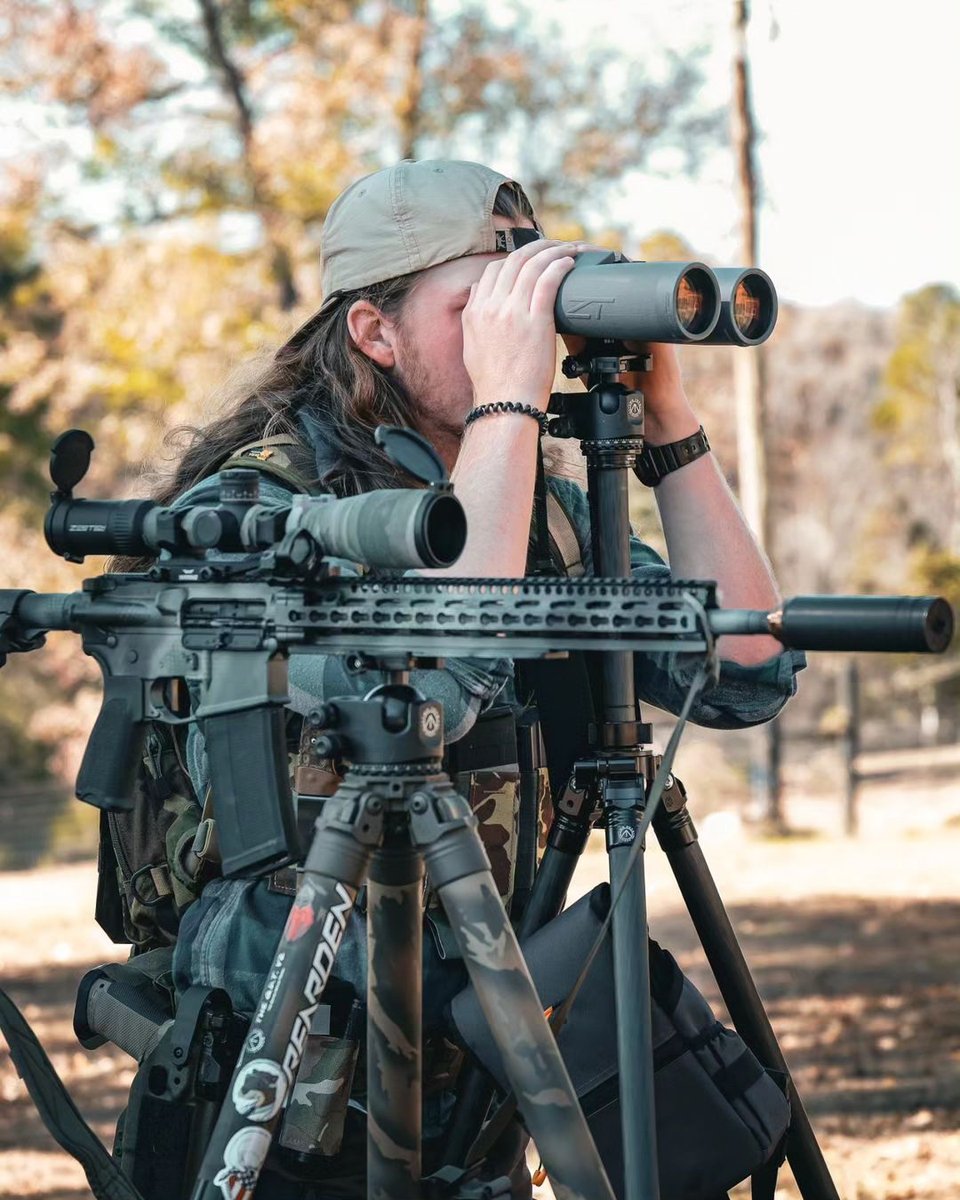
457, 867
267, 1066
394, 1021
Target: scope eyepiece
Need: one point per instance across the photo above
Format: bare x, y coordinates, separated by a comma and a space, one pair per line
76, 528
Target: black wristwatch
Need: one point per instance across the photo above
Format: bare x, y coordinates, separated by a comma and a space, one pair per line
657, 461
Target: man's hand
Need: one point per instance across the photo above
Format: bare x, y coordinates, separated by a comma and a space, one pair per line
509, 335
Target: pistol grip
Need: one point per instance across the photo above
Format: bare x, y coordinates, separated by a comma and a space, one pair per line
115, 748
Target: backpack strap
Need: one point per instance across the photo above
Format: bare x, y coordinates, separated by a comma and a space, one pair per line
282, 456
559, 689
564, 537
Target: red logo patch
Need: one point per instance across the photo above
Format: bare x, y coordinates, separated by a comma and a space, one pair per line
300, 919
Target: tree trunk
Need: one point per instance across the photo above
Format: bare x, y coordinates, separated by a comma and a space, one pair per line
235, 87
409, 103
749, 377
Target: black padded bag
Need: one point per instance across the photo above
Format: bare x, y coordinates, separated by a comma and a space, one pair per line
720, 1115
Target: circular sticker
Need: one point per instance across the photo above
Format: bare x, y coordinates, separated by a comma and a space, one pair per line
259, 1089
243, 1157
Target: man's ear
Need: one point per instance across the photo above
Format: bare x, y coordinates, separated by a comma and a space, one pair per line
372, 333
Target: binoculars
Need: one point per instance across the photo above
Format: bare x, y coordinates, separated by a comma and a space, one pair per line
606, 296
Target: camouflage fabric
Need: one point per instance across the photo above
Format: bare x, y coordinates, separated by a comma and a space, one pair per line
282, 456
544, 810
494, 797
143, 889
316, 1111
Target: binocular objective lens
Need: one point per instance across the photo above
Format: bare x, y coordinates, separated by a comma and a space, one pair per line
746, 310
689, 303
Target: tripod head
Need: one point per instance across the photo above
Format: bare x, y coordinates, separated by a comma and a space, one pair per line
609, 419
392, 723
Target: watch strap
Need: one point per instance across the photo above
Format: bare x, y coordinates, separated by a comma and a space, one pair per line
657, 461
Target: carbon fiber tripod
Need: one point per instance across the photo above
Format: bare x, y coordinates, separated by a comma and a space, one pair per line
619, 768
395, 814
609, 785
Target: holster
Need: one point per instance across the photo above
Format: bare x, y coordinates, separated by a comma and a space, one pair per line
186, 1062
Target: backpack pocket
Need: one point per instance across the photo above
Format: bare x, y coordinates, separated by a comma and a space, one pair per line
720, 1116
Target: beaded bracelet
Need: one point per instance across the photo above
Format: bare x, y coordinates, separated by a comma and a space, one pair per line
505, 406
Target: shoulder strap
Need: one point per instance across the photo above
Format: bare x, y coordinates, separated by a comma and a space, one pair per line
564, 536
282, 456
560, 689
553, 548
58, 1111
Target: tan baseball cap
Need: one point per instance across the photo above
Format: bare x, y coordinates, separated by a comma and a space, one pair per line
409, 217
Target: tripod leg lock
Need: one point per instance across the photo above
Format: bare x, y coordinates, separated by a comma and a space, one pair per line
444, 829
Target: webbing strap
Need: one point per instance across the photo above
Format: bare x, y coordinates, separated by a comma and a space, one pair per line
57, 1109
763, 1182
160, 874
737, 1077
564, 536
282, 456
539, 558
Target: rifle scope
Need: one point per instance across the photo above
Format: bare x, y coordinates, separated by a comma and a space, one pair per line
605, 296
399, 528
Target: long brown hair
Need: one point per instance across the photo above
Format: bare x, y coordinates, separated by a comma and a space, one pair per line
319, 369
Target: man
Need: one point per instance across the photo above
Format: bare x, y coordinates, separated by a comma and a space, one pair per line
439, 295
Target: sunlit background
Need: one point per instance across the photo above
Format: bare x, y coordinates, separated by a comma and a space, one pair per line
166, 167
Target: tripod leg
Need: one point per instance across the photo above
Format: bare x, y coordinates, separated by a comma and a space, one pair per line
631, 967
457, 867
475, 1089
678, 839
394, 1033
267, 1066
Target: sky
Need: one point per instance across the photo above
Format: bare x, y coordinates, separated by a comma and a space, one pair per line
858, 103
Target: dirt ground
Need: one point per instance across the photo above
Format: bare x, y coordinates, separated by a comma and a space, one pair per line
855, 945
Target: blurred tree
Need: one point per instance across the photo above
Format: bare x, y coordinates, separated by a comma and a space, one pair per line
571, 119
919, 409
750, 389
269, 106
664, 245
164, 189
918, 415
